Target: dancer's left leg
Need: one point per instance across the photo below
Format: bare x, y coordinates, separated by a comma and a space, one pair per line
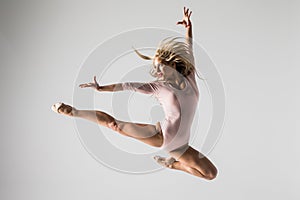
196, 160
180, 166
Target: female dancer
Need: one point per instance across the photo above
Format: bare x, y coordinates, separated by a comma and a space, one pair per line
176, 90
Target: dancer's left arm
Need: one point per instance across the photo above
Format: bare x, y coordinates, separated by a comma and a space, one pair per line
186, 22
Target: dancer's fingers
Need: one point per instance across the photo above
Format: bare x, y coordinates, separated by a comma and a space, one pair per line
95, 79
190, 14
85, 85
182, 22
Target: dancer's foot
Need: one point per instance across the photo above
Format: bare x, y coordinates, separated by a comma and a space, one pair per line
166, 162
64, 109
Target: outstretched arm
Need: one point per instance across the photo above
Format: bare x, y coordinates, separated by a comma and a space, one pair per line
104, 88
146, 88
186, 21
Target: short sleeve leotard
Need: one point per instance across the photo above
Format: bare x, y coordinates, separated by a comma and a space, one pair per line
179, 106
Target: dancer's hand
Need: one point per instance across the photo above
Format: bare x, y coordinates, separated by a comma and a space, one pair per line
94, 85
186, 18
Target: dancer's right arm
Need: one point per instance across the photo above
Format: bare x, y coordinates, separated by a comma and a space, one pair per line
104, 88
111, 88
146, 88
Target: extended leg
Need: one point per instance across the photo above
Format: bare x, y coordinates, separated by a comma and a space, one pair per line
146, 133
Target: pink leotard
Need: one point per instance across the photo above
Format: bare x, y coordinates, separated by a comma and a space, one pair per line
179, 107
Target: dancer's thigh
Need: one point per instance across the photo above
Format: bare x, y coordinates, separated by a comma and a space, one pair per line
147, 133
195, 159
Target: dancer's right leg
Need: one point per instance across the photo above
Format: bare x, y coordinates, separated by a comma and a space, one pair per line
147, 133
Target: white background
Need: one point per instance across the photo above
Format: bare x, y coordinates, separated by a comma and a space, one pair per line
254, 45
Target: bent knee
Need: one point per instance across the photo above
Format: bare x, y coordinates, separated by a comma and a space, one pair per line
211, 174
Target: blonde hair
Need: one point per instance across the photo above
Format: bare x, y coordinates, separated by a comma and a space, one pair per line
171, 51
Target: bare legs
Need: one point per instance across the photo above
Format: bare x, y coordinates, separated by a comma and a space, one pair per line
146, 133
195, 163
191, 161
179, 166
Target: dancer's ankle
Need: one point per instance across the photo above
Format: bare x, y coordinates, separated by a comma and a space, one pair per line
74, 112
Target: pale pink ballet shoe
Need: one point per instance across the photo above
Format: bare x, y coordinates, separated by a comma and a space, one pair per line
166, 162
55, 107
62, 108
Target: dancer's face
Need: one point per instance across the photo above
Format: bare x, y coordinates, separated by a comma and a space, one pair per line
163, 71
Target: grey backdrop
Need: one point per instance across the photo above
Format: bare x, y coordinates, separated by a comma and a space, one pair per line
254, 45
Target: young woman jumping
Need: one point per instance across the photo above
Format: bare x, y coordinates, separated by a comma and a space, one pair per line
176, 89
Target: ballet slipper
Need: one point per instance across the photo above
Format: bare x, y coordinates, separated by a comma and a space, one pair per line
55, 107
68, 110
166, 162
